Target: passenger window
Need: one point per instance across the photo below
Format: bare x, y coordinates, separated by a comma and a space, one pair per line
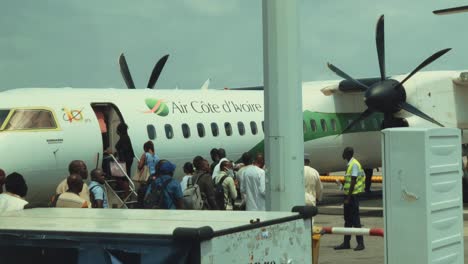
169, 131
241, 128
3, 116
214, 129
333, 124
31, 119
228, 128
185, 130
151, 132
253, 128
313, 125
201, 130
323, 123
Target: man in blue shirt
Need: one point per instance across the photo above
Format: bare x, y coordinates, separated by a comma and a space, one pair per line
97, 190
172, 192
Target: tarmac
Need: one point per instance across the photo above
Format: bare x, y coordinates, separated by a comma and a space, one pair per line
331, 214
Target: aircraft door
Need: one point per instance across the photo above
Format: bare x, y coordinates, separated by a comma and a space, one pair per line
108, 118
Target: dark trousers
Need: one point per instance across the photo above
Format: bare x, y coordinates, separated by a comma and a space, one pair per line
352, 218
368, 173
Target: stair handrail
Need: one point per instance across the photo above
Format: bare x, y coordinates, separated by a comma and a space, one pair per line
131, 184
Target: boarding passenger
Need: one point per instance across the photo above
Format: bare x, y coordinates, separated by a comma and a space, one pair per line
2, 180
76, 167
124, 147
252, 185
222, 157
225, 188
214, 154
149, 159
16, 190
97, 189
71, 198
125, 154
259, 161
353, 186
188, 170
170, 194
313, 186
203, 179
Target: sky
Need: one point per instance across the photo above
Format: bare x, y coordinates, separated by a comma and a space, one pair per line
65, 43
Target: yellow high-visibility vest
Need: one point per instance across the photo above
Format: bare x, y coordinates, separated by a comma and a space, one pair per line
360, 179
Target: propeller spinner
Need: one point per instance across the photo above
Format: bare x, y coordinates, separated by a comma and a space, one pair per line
387, 96
154, 74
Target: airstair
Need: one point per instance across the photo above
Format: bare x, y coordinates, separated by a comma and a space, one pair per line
117, 197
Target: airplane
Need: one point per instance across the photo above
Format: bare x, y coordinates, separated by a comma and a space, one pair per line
43, 129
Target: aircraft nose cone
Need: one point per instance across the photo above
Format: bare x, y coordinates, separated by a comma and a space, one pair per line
385, 96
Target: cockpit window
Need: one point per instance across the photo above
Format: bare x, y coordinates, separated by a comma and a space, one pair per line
3, 116
23, 119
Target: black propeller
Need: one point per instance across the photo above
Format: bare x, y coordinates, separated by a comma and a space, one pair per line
452, 10
154, 74
387, 96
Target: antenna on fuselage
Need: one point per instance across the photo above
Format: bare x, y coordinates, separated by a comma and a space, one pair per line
124, 70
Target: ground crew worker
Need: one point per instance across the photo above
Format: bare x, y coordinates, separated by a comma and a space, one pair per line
353, 186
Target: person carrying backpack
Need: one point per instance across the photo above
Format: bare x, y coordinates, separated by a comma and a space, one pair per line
165, 191
225, 188
97, 190
203, 179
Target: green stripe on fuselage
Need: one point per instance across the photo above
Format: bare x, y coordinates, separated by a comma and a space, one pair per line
330, 124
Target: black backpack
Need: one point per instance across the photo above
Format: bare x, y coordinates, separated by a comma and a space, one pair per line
155, 199
219, 194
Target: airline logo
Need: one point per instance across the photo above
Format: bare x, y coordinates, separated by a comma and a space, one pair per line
157, 106
71, 115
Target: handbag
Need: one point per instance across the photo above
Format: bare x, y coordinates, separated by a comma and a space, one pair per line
142, 175
116, 170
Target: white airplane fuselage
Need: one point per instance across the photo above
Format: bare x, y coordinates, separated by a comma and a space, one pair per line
42, 154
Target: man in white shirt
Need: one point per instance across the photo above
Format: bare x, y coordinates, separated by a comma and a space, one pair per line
313, 186
16, 189
70, 198
76, 167
252, 185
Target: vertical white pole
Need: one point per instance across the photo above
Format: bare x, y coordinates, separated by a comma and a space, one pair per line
284, 144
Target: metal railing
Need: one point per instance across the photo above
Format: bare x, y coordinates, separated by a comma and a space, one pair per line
131, 185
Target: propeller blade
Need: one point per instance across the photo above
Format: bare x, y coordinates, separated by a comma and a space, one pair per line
417, 112
347, 77
453, 10
380, 43
157, 71
363, 116
428, 61
126, 72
